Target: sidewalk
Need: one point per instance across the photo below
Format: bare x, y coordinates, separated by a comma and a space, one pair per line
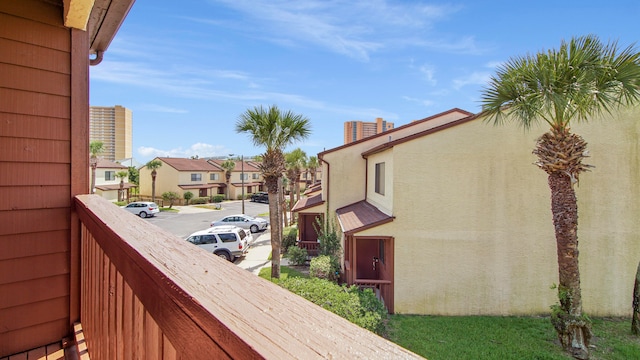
258, 255
191, 209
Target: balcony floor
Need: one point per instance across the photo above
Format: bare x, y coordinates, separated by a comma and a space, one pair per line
53, 351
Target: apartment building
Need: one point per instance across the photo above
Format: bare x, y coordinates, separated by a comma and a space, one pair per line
358, 130
113, 125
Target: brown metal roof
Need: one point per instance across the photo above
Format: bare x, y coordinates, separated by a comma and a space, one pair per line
313, 188
106, 164
201, 186
307, 202
360, 216
239, 184
182, 164
115, 186
249, 166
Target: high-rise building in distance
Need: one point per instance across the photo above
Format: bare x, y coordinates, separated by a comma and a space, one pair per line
357, 130
113, 125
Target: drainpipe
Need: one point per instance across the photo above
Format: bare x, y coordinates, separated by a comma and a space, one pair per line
98, 59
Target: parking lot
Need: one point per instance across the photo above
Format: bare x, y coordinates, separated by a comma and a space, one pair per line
191, 219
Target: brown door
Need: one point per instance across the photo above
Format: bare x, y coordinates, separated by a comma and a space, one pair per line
203, 193
367, 259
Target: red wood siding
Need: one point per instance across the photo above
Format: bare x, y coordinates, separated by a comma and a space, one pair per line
37, 112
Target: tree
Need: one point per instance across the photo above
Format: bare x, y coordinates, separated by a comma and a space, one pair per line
134, 175
228, 166
171, 197
121, 175
187, 196
153, 165
273, 129
313, 165
95, 148
295, 161
580, 80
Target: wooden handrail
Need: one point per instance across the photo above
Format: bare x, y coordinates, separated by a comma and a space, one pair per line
149, 292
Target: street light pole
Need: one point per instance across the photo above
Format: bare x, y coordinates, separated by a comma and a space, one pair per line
242, 177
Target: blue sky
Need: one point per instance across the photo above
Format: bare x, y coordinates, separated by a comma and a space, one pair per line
187, 69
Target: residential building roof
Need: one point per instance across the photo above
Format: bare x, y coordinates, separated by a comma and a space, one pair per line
360, 216
249, 166
106, 164
182, 164
115, 186
400, 129
307, 202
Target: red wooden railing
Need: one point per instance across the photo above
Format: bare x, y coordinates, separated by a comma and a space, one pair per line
147, 294
310, 246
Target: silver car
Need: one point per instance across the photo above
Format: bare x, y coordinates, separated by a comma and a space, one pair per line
142, 208
244, 221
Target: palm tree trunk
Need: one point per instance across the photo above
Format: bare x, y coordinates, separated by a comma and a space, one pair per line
274, 219
93, 177
153, 187
635, 321
573, 329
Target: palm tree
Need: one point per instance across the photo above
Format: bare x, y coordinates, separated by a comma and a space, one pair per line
121, 175
295, 162
274, 130
583, 79
313, 165
228, 166
153, 165
95, 148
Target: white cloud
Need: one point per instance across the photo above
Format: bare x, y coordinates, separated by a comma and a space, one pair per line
354, 28
199, 149
161, 109
475, 78
423, 102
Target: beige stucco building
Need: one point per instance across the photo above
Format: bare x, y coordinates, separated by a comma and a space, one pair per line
107, 183
202, 177
449, 216
113, 125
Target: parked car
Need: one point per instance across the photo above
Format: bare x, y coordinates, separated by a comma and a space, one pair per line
227, 242
142, 208
244, 221
262, 197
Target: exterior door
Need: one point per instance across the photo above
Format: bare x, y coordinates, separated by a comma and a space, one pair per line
368, 259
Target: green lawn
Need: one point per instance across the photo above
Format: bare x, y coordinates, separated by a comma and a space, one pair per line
487, 337
494, 337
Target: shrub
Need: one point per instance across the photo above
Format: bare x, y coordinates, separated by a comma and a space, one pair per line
171, 197
360, 307
328, 238
297, 255
325, 267
289, 237
187, 196
217, 198
200, 200
120, 203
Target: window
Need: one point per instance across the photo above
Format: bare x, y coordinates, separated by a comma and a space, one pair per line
224, 237
214, 176
380, 178
244, 176
109, 175
255, 176
196, 177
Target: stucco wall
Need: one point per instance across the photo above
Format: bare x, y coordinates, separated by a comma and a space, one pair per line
473, 229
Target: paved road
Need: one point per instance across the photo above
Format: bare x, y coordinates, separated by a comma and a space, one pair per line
191, 219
